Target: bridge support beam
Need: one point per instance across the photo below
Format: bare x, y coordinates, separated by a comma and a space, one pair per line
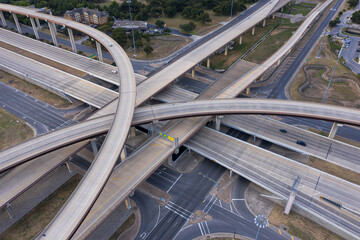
226, 50
99, 52
3, 20
240, 39
193, 72
170, 160
127, 203
218, 122
334, 129
264, 22
253, 31
132, 132
231, 173
247, 90
72, 40
289, 203
17, 23
208, 62
94, 147
53, 32
176, 142
68, 166
34, 28
8, 210
37, 23
123, 154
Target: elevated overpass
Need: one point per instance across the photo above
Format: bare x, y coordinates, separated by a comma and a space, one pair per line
97, 126
93, 67
158, 84
55, 80
70, 216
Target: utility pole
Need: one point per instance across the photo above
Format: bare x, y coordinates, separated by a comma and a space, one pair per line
132, 27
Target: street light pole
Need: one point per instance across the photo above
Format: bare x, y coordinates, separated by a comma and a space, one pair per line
262, 222
132, 27
231, 11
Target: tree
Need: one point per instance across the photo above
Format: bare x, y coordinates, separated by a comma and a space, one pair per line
119, 35
188, 27
148, 50
167, 30
204, 18
356, 17
353, 3
333, 23
160, 23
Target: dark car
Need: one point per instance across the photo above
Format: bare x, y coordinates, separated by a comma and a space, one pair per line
283, 130
301, 143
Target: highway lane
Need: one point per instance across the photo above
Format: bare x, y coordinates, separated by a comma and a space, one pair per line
49, 77
77, 206
96, 126
276, 174
330, 150
63, 56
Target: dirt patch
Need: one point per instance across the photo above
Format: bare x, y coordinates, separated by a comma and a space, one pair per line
300, 226
36, 91
37, 219
163, 46
334, 169
126, 225
257, 204
187, 162
12, 130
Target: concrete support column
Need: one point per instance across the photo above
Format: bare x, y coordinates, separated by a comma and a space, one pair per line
68, 166
282, 9
262, 78
94, 147
334, 129
176, 142
99, 52
37, 23
8, 210
170, 160
127, 203
34, 28
264, 22
240, 39
359, 60
53, 32
247, 90
253, 31
273, 16
193, 72
72, 40
17, 23
231, 173
226, 50
289, 202
218, 122
3, 20
132, 132
208, 62
123, 154
279, 61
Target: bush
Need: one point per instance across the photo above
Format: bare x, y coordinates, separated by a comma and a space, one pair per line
188, 27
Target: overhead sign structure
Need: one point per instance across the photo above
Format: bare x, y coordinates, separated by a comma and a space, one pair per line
167, 136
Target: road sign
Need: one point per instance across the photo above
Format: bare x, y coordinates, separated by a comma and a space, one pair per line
167, 136
93, 56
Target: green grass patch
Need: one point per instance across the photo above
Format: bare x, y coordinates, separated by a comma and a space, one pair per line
12, 130
37, 219
220, 61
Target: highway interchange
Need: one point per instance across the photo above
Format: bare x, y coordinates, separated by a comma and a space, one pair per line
231, 91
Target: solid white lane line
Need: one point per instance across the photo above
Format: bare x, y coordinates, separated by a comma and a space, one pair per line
174, 183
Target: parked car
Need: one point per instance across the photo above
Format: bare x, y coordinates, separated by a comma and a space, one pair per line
283, 130
301, 143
